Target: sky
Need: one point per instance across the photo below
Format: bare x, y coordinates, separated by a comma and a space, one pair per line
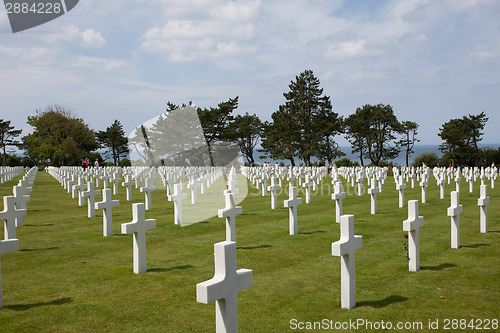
125, 59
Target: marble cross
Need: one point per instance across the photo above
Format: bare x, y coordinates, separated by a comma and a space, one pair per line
401, 188
412, 226
337, 196
372, 191
224, 287
9, 215
483, 202
90, 195
307, 184
230, 212
138, 227
147, 189
345, 249
292, 204
177, 198
454, 212
128, 186
107, 205
193, 186
273, 188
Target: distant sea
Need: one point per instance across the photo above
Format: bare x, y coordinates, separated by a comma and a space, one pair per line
400, 160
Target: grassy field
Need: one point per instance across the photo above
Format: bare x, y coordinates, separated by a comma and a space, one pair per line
67, 277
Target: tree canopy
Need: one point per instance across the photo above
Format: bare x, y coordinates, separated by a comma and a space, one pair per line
114, 140
306, 123
8, 135
59, 137
461, 137
371, 131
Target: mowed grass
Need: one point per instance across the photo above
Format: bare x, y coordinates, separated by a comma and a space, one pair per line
67, 277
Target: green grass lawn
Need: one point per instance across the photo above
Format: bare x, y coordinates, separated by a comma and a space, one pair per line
67, 277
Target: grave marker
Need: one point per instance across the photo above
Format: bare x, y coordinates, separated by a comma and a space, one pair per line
90, 195
483, 202
138, 227
9, 215
107, 205
412, 226
224, 287
230, 212
454, 212
292, 204
273, 188
345, 249
337, 196
177, 198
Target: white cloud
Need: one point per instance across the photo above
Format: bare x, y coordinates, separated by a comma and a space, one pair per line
98, 63
72, 36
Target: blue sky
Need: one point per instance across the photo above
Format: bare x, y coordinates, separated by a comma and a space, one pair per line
124, 59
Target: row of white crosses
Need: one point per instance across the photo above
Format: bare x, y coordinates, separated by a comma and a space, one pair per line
227, 282
8, 173
14, 209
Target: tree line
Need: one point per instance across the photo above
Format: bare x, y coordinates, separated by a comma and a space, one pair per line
303, 128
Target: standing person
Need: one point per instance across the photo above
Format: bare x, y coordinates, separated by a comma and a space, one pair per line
96, 163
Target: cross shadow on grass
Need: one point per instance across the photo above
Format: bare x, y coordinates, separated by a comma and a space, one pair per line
23, 307
161, 270
473, 246
265, 246
439, 267
313, 232
383, 302
41, 249
38, 225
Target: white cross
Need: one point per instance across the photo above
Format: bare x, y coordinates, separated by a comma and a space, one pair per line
412, 225
231, 183
9, 215
273, 188
230, 212
107, 205
20, 201
78, 191
454, 212
290, 179
105, 177
337, 196
116, 180
138, 227
194, 190
423, 185
359, 180
177, 198
441, 186
128, 185
373, 190
483, 202
401, 188
147, 189
202, 180
457, 182
345, 249
292, 204
6, 246
307, 184
90, 195
264, 181
224, 287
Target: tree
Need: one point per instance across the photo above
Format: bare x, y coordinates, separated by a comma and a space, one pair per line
430, 159
114, 139
8, 137
357, 128
461, 137
409, 131
372, 129
306, 123
247, 131
59, 138
278, 137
